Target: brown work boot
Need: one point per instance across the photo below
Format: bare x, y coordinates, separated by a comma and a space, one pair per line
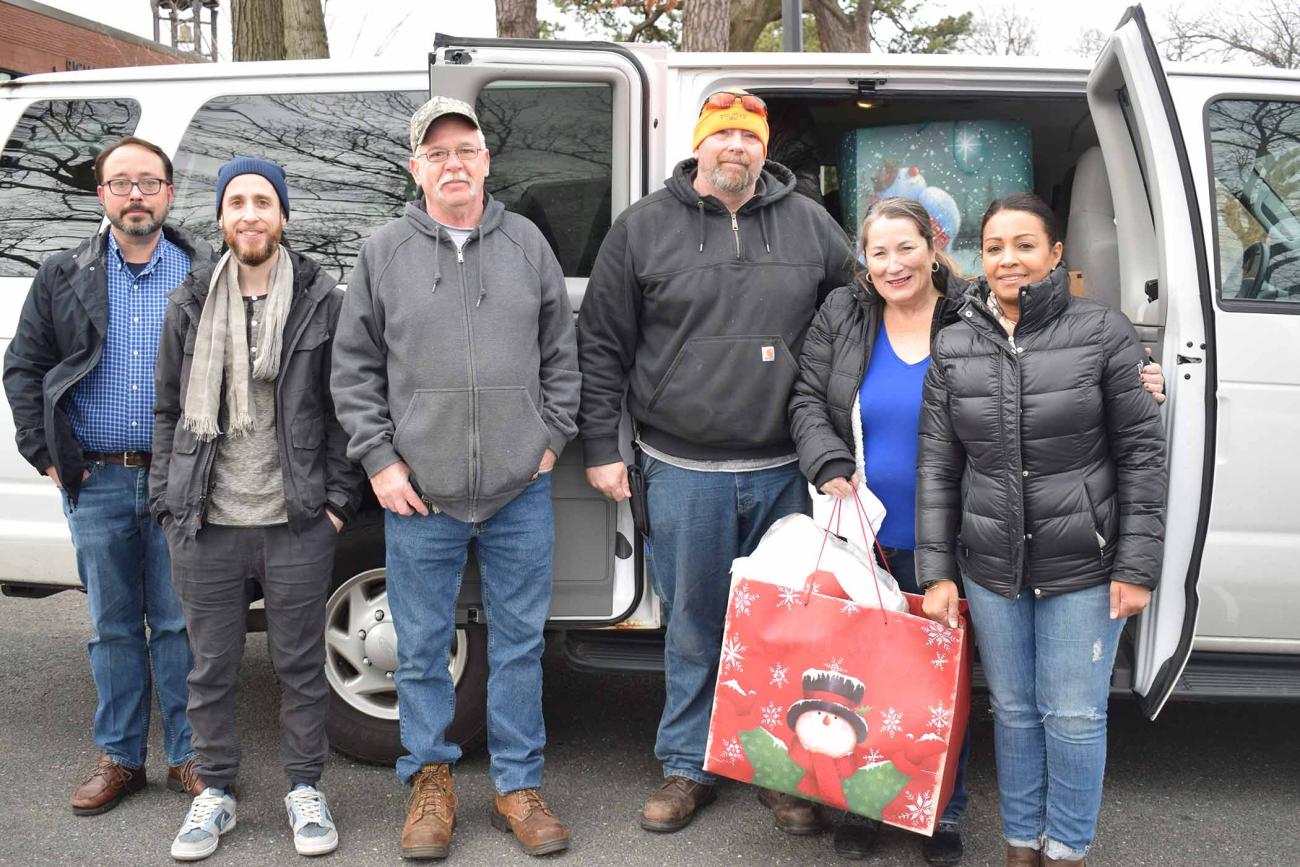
535, 826
1023, 856
430, 814
793, 815
185, 777
675, 803
105, 788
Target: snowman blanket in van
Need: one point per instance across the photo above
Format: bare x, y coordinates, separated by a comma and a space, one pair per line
857, 707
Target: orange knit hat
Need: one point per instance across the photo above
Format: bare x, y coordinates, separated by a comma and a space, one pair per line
734, 116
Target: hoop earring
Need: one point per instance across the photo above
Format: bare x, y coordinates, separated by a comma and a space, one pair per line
934, 267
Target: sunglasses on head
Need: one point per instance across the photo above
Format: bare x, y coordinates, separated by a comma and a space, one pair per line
726, 99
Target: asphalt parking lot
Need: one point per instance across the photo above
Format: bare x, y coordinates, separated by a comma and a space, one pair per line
1204, 785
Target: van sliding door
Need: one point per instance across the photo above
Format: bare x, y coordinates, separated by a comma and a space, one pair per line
1163, 259
565, 123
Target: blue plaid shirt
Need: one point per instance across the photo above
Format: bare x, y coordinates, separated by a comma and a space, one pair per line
112, 407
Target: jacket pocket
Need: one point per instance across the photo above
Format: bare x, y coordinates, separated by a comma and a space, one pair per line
308, 462
435, 439
512, 439
726, 391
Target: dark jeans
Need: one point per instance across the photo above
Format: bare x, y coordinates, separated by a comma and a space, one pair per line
122, 560
213, 574
902, 565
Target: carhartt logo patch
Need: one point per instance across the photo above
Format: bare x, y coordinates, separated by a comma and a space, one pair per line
769, 353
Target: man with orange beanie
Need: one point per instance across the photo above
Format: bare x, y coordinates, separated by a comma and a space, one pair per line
696, 310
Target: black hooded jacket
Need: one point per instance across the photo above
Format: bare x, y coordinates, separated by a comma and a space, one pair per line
831, 366
1042, 455
699, 315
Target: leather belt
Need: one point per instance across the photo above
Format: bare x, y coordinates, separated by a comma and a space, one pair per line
126, 459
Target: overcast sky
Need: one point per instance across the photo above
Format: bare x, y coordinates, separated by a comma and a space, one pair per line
368, 28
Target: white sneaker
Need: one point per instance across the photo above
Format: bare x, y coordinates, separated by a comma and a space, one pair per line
309, 816
212, 814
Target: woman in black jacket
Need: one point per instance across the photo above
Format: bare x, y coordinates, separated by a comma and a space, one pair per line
1043, 456
865, 357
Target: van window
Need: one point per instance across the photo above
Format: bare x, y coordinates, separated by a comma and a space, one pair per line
552, 149
345, 155
1255, 153
48, 200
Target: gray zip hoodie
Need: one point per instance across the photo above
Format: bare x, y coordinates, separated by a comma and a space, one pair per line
462, 363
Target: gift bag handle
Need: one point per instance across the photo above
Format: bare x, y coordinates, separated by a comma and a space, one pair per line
834, 518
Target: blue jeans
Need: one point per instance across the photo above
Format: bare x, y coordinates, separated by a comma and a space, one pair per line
426, 560
699, 523
902, 565
123, 563
1048, 663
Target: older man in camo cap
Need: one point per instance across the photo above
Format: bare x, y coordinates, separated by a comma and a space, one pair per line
456, 378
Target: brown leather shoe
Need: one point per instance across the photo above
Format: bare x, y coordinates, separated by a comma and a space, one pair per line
535, 826
793, 815
105, 788
185, 777
430, 814
1023, 856
674, 804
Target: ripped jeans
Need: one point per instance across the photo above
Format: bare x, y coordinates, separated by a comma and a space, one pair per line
1048, 663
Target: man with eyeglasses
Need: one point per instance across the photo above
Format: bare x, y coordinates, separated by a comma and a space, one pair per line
696, 311
79, 375
456, 378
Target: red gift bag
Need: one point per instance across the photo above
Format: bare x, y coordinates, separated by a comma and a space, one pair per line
855, 707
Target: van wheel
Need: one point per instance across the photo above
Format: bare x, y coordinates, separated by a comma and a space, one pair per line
361, 660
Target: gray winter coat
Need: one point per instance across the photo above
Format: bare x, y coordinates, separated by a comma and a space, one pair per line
461, 363
1044, 459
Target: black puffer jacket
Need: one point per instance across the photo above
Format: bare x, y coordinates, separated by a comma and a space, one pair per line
831, 366
1044, 458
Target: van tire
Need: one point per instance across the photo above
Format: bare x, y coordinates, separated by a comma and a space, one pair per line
369, 731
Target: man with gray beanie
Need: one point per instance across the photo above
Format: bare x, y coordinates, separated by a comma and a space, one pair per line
456, 378
251, 483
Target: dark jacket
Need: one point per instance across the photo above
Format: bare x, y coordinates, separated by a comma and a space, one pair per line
699, 316
1044, 459
58, 342
831, 367
313, 448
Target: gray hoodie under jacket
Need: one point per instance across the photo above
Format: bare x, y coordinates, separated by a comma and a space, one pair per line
462, 363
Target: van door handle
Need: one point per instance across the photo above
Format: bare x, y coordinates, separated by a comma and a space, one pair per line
1187, 359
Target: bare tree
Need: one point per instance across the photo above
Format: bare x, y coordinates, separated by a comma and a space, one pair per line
627, 20
258, 29
1005, 30
304, 30
1263, 32
1088, 43
706, 25
850, 25
839, 29
517, 19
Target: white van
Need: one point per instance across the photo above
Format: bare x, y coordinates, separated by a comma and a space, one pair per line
1182, 192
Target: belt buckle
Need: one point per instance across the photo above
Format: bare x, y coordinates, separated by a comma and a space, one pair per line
132, 460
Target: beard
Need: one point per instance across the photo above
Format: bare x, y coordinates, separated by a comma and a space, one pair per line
253, 253
136, 229
732, 176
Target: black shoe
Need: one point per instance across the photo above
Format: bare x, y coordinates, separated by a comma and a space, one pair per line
855, 836
944, 848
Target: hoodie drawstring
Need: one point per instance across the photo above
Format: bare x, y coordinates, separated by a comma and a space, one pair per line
437, 262
762, 227
482, 290
700, 206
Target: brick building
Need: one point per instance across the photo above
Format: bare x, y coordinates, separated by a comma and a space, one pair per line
35, 38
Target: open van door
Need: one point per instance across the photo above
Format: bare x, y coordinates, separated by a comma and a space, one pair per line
1164, 284
567, 126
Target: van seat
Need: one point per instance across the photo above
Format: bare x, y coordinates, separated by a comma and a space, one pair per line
1091, 241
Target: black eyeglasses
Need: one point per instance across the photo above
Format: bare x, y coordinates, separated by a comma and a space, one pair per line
122, 186
465, 153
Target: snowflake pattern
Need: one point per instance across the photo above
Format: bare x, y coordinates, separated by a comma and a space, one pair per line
939, 661
779, 675
836, 665
919, 808
940, 716
848, 606
732, 752
891, 722
940, 635
742, 599
733, 654
772, 714
875, 757
789, 596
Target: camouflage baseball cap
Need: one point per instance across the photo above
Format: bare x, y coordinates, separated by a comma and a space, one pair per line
435, 108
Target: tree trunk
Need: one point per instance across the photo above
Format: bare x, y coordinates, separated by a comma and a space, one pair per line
258, 29
304, 30
840, 31
517, 19
706, 25
748, 18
